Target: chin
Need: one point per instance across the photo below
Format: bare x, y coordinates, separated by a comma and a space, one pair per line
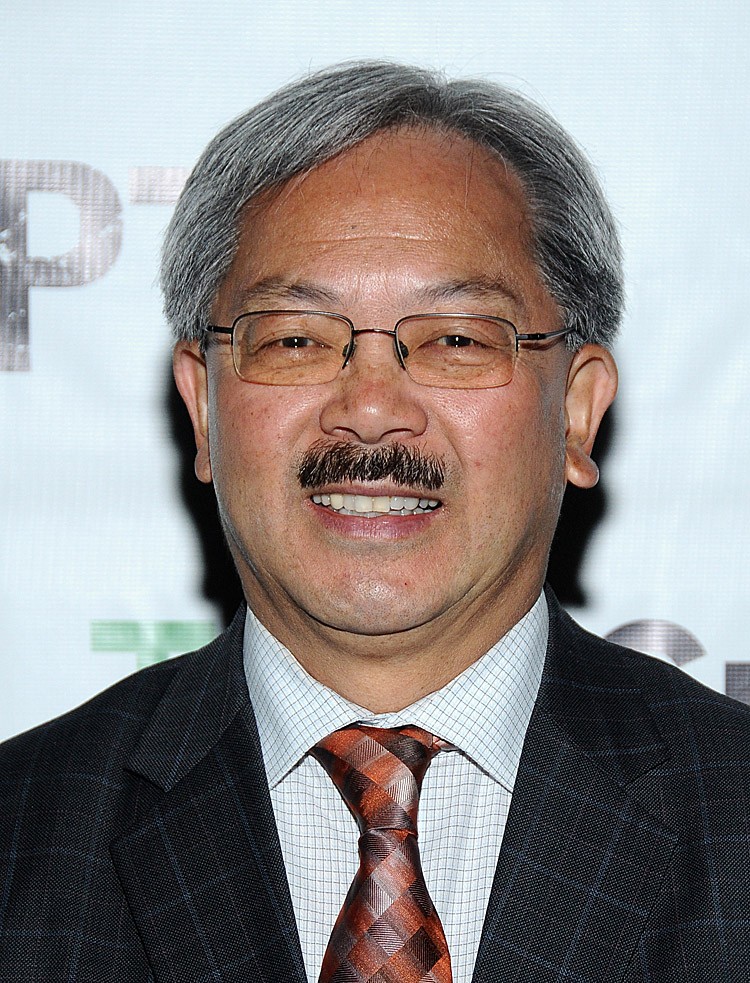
378, 611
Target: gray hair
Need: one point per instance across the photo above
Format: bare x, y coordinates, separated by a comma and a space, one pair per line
574, 236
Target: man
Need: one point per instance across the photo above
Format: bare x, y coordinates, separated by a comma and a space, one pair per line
393, 299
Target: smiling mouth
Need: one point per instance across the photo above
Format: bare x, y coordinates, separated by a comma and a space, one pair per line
373, 507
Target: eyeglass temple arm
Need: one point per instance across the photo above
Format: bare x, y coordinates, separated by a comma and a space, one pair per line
541, 335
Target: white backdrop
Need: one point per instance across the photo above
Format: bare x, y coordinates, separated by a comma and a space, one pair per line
101, 567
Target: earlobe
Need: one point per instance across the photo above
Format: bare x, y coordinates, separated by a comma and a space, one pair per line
191, 378
591, 387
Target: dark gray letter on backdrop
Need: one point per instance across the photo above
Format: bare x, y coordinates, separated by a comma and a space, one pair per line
97, 248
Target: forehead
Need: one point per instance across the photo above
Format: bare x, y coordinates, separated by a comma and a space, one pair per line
411, 203
443, 169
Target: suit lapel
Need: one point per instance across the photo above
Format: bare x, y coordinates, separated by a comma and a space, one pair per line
584, 854
201, 864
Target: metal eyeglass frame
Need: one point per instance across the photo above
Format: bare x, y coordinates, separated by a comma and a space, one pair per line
401, 350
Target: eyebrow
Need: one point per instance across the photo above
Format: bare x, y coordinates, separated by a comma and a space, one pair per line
277, 288
274, 288
492, 288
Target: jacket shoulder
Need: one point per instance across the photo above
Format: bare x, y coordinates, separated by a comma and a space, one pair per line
67, 790
690, 717
89, 745
677, 697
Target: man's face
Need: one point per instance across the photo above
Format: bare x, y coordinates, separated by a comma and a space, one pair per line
407, 222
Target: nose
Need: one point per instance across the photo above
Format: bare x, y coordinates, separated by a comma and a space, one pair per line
373, 399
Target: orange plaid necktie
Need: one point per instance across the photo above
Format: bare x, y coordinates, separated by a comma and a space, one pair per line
388, 930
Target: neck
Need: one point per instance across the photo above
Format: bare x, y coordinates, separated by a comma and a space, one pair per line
387, 672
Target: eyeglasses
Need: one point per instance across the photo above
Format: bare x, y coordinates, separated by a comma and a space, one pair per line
307, 348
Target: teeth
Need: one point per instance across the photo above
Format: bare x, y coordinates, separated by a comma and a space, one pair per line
377, 505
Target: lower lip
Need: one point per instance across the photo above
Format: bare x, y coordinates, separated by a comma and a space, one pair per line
382, 527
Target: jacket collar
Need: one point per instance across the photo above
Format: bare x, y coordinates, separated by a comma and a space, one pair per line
205, 695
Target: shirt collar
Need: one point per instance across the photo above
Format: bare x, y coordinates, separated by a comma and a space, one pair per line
483, 712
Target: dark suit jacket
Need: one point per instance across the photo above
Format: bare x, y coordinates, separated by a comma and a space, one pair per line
137, 839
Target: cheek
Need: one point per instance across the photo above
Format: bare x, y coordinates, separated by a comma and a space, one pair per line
255, 433
513, 435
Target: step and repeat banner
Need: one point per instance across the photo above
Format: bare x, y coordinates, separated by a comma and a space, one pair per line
109, 556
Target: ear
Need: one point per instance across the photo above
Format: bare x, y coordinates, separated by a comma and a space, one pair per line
190, 375
591, 387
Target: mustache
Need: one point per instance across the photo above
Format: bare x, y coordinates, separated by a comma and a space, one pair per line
328, 463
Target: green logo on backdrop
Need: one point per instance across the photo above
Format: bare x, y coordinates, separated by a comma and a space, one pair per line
151, 641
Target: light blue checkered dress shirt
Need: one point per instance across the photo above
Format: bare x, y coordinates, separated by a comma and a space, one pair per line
483, 714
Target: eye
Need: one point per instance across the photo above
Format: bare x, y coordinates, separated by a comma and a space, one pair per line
296, 341
457, 341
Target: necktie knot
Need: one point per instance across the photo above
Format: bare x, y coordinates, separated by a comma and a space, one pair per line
379, 772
